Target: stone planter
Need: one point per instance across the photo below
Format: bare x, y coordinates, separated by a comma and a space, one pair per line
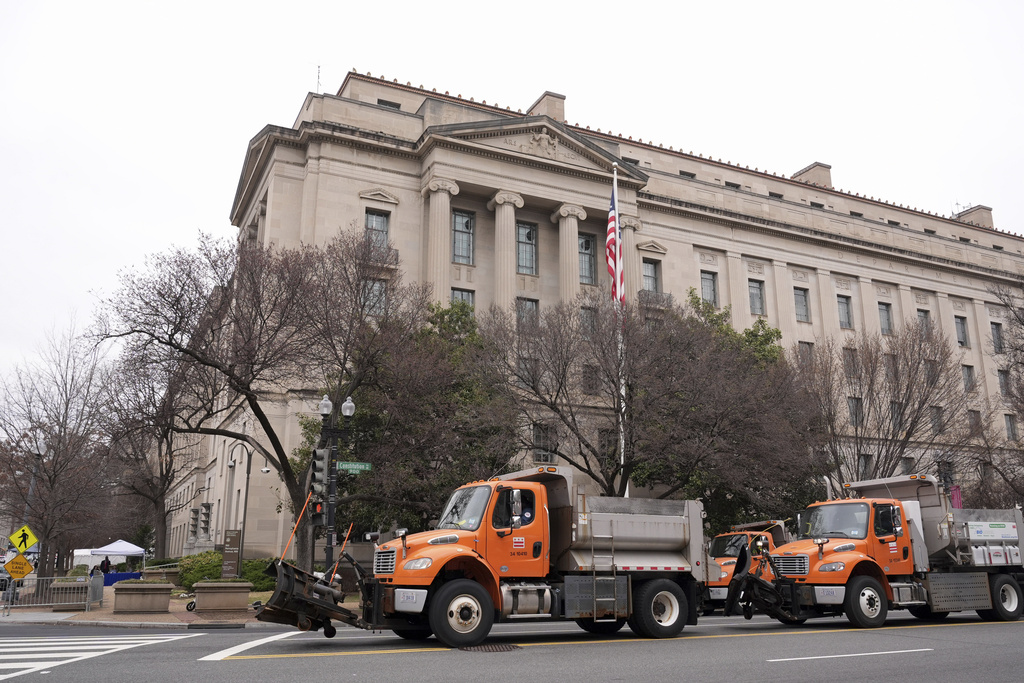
142, 597
69, 595
213, 596
169, 575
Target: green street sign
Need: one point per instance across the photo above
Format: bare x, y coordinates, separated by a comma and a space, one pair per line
355, 466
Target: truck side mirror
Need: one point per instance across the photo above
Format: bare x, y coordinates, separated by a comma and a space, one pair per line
516, 504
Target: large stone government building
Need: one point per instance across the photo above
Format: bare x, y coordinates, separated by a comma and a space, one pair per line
491, 205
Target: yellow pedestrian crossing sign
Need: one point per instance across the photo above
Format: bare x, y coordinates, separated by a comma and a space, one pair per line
23, 539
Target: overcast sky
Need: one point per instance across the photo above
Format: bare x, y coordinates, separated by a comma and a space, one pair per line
123, 125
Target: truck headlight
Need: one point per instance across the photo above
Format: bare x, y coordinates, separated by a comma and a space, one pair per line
418, 563
724, 574
832, 567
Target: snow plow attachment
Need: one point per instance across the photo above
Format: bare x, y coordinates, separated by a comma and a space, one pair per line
302, 600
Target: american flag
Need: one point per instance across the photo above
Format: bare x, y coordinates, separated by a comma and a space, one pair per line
613, 250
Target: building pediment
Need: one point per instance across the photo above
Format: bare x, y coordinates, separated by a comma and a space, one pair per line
378, 194
540, 138
653, 247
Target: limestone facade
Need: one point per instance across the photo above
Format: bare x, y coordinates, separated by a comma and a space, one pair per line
492, 204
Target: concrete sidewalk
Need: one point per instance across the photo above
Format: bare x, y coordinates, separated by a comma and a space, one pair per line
177, 617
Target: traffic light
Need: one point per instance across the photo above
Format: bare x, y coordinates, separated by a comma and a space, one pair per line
318, 517
318, 470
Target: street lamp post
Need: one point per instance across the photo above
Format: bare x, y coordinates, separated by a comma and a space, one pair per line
326, 409
245, 502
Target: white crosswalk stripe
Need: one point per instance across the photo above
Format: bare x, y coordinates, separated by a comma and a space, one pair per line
20, 656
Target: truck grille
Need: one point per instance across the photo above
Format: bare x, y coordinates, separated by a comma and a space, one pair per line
384, 561
792, 565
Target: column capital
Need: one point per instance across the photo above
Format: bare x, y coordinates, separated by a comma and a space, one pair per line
566, 210
436, 184
631, 223
505, 197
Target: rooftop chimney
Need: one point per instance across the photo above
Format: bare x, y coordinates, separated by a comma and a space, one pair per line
817, 173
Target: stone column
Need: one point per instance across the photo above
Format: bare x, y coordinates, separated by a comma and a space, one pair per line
829, 304
739, 293
504, 205
909, 309
567, 217
631, 262
784, 303
869, 308
439, 236
980, 345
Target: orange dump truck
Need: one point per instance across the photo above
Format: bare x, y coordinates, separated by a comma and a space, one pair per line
899, 545
725, 548
525, 546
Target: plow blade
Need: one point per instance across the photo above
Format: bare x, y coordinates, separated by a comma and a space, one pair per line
304, 601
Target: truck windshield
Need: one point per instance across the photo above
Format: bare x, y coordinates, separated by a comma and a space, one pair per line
835, 520
727, 546
465, 509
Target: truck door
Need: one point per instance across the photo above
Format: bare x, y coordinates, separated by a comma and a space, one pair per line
522, 551
891, 543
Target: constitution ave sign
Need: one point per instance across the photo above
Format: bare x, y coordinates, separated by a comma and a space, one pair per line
355, 466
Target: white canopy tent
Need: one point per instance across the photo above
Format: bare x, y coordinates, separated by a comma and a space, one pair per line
120, 547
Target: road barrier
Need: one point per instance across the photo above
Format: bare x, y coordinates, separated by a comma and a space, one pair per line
71, 593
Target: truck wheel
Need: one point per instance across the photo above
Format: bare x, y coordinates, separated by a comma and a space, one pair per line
461, 613
1007, 601
659, 609
925, 613
601, 628
866, 605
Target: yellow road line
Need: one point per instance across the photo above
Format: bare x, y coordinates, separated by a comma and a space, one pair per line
793, 632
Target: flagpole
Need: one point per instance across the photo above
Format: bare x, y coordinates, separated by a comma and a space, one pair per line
619, 296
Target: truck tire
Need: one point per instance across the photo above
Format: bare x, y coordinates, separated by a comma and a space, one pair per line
601, 628
461, 613
866, 605
659, 609
1007, 601
925, 613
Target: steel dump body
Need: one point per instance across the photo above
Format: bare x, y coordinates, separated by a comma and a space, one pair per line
527, 545
901, 545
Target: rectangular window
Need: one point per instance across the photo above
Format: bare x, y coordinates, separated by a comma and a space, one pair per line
650, 276
588, 270
885, 317
756, 290
590, 382
775, 195
1011, 427
817, 205
375, 296
896, 416
388, 104
526, 248
687, 174
968, 371
709, 287
734, 186
856, 407
931, 372
466, 295
961, 331
965, 239
938, 421
377, 227
802, 303
845, 312
907, 465
924, 317
865, 465
894, 223
543, 443
974, 422
1004, 382
857, 214
527, 311
997, 247
805, 353
588, 322
462, 237
851, 366
997, 338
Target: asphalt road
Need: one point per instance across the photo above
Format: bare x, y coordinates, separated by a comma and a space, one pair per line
719, 649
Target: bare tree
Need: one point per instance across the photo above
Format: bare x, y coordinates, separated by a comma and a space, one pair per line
54, 459
246, 327
1007, 464
893, 403
700, 411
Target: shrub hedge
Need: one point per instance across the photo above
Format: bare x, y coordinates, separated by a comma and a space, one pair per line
207, 565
